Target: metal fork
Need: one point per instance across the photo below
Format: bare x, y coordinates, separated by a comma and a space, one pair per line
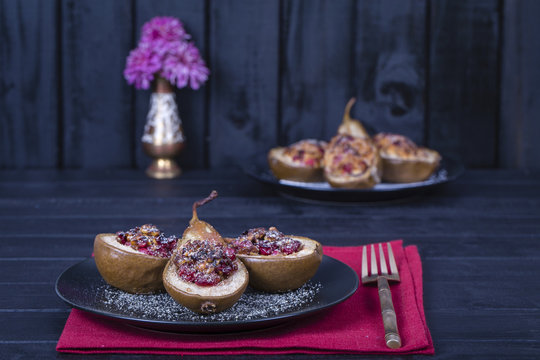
391, 334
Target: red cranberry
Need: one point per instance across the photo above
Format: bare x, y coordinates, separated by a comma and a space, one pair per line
207, 279
347, 168
290, 247
229, 252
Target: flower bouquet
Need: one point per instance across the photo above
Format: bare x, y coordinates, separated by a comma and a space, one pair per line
165, 51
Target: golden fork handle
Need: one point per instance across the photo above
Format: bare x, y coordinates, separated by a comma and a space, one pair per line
391, 334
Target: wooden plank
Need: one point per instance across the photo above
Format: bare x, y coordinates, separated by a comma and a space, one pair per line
44, 325
30, 297
187, 186
69, 245
318, 227
140, 207
191, 104
389, 77
510, 178
502, 349
29, 84
98, 115
463, 76
30, 349
244, 43
509, 207
484, 295
194, 185
486, 325
316, 67
520, 107
76, 176
29, 272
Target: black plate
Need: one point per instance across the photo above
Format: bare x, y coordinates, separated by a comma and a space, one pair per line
81, 286
258, 169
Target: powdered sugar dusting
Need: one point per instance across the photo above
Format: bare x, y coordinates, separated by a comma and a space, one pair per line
251, 306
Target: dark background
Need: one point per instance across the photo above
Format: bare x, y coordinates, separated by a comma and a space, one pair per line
458, 76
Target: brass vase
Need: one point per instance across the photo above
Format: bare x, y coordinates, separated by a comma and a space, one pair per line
163, 138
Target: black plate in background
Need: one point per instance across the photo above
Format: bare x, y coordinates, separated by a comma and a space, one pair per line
258, 169
79, 284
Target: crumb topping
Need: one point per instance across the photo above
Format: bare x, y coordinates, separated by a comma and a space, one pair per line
148, 239
308, 153
399, 146
204, 263
348, 155
259, 241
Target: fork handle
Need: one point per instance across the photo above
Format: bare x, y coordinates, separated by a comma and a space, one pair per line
391, 334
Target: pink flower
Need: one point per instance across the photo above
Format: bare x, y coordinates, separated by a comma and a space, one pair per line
164, 49
163, 28
141, 65
183, 64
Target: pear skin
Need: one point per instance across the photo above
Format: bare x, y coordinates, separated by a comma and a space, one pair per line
281, 273
126, 268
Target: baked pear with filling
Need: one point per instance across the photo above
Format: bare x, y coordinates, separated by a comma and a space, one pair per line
352, 162
277, 262
404, 161
203, 274
350, 126
301, 161
134, 260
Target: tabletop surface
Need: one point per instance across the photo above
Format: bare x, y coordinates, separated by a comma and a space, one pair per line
479, 239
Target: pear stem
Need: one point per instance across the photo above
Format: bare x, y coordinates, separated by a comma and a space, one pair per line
196, 204
348, 107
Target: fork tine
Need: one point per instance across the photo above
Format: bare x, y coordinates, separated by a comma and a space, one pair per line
374, 270
384, 269
392, 260
364, 263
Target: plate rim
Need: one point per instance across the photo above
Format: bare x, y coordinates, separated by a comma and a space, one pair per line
251, 324
253, 169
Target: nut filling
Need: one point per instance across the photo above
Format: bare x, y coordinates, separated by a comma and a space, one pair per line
149, 240
306, 152
204, 263
260, 241
351, 156
401, 147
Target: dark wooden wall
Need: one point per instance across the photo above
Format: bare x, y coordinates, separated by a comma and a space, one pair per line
459, 76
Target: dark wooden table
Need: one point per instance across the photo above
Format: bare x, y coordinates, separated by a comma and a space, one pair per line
479, 239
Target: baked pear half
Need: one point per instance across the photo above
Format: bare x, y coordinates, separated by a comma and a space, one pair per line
351, 162
277, 262
350, 126
404, 161
134, 260
203, 274
301, 161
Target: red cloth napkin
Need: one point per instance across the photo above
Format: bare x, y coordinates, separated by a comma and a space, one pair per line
352, 327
